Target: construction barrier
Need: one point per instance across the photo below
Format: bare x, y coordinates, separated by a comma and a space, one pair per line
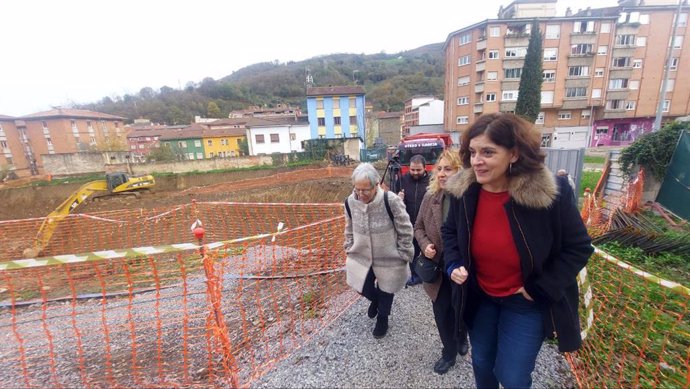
183, 314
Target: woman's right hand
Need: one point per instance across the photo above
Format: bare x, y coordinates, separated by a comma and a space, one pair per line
459, 275
430, 251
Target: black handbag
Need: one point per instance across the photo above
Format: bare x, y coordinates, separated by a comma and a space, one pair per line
426, 269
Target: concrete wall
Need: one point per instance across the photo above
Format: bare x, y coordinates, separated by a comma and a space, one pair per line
84, 163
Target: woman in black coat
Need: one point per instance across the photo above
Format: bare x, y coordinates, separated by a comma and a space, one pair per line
515, 240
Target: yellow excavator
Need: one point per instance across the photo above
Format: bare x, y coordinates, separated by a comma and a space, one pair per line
115, 184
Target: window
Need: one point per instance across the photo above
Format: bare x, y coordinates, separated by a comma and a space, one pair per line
677, 41
615, 104
321, 121
599, 72
181, 144
629, 105
45, 124
546, 97
495, 31
463, 100
464, 60
637, 63
621, 62
549, 76
540, 118
625, 40
674, 63
576, 92
578, 71
618, 83
197, 143
644, 19
602, 50
605, 28
133, 147
682, 21
553, 31
493, 54
581, 49
462, 120
211, 155
564, 115
667, 106
319, 104
509, 95
239, 142
596, 93
275, 138
260, 138
669, 85
512, 73
465, 39
74, 125
641, 41
490, 97
516, 52
199, 156
336, 120
634, 84
492, 76
209, 142
293, 136
550, 54
463, 80
190, 156
583, 26
3, 143
602, 130
148, 138
93, 140
585, 114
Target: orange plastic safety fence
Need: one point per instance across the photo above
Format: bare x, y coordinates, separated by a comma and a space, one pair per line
178, 316
640, 336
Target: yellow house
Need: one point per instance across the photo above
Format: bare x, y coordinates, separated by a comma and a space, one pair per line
223, 143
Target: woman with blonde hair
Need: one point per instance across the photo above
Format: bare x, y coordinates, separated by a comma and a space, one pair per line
427, 231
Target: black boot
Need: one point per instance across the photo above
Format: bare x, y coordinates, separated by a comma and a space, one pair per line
381, 327
463, 348
373, 309
443, 365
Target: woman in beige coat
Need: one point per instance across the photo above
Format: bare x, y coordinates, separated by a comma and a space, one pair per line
427, 231
378, 243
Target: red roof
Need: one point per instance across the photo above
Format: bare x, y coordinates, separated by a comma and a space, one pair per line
335, 90
71, 113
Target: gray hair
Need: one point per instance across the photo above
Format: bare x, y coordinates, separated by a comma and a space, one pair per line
366, 171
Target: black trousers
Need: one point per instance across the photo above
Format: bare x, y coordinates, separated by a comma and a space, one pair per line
444, 314
372, 292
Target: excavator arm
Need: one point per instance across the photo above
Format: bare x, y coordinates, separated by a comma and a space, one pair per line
53, 219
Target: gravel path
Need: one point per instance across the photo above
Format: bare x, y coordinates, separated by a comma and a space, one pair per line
345, 354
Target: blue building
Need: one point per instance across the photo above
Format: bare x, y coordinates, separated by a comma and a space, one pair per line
336, 112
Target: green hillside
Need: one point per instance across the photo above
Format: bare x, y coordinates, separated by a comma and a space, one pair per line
389, 79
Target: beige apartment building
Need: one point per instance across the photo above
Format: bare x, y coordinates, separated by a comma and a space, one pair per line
602, 69
25, 139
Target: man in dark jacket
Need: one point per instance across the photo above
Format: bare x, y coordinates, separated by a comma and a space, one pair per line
413, 187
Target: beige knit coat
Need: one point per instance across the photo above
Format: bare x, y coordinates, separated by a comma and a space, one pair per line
427, 230
372, 241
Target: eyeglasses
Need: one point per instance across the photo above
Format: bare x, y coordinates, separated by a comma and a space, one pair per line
362, 191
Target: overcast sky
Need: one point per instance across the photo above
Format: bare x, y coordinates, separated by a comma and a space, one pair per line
56, 52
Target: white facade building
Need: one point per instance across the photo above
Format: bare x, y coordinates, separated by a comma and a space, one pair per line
276, 135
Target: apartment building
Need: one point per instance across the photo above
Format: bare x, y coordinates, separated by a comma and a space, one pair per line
422, 110
25, 139
602, 69
336, 112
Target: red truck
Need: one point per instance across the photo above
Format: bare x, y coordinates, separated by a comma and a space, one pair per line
428, 145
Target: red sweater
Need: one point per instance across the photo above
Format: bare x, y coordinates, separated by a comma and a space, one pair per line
493, 250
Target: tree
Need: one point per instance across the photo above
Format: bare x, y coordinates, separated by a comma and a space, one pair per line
162, 153
653, 151
213, 110
244, 146
529, 96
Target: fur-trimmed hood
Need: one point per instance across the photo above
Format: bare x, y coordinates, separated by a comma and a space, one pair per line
532, 190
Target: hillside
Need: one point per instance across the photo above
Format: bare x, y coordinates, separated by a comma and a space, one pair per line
389, 79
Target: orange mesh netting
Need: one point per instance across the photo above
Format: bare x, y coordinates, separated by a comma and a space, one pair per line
162, 314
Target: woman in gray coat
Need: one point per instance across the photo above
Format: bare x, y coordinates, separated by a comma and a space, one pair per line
378, 243
427, 231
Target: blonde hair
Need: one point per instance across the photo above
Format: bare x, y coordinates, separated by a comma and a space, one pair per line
453, 159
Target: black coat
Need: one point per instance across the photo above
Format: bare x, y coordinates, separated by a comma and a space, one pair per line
414, 193
551, 240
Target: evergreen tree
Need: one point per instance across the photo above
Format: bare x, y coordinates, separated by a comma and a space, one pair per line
529, 97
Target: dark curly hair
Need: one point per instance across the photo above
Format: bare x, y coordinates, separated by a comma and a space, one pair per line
509, 131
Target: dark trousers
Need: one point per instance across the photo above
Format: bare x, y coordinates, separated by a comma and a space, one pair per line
372, 292
444, 314
417, 251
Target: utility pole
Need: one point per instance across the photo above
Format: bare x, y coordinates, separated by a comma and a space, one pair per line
664, 82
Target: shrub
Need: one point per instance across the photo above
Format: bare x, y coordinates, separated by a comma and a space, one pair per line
653, 151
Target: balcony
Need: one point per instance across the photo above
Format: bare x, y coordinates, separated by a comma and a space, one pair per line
614, 113
617, 94
479, 87
480, 66
620, 73
479, 108
507, 106
577, 82
575, 103
580, 38
481, 44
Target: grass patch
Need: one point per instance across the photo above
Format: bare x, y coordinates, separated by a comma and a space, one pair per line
600, 159
589, 180
670, 266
